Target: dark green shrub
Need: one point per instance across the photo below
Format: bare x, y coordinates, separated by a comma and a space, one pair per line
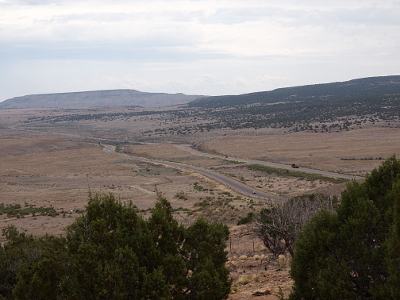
353, 253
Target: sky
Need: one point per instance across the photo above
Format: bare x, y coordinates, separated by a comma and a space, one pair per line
201, 47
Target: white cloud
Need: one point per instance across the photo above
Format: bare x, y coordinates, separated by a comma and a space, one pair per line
220, 46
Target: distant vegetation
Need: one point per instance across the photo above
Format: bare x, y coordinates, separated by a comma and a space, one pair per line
329, 107
16, 210
315, 108
365, 88
292, 173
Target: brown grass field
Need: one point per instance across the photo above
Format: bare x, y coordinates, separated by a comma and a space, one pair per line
46, 165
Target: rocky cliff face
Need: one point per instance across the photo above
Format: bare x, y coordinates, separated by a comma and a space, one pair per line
98, 98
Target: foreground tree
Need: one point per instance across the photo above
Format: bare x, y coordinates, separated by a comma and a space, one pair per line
110, 252
353, 253
393, 245
279, 225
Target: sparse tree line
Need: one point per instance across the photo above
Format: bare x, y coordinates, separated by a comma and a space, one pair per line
16, 210
312, 115
307, 113
368, 88
91, 117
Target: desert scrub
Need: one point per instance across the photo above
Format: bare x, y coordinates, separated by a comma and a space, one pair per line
292, 173
282, 260
198, 187
15, 210
181, 195
244, 280
202, 203
248, 219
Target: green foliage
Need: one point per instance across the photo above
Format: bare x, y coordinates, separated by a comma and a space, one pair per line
181, 195
13, 255
110, 252
353, 253
350, 90
292, 173
206, 258
393, 245
39, 275
198, 187
316, 108
15, 210
249, 218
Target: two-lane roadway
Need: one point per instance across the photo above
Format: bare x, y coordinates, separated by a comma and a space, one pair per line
270, 164
231, 183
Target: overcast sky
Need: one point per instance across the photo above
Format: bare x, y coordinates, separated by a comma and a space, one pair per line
193, 47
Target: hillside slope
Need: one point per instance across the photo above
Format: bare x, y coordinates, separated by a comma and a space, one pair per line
348, 90
97, 98
328, 107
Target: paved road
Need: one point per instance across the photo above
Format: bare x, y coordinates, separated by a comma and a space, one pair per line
270, 164
231, 183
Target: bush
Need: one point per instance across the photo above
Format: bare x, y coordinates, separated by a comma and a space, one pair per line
353, 253
279, 225
248, 219
110, 252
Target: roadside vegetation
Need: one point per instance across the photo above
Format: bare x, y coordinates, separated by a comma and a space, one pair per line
292, 173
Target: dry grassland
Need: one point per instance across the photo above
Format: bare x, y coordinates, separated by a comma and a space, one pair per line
53, 172
346, 152
168, 152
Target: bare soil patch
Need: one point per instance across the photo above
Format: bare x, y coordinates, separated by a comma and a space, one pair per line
255, 273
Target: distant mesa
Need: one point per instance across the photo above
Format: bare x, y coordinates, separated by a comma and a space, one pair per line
98, 99
364, 89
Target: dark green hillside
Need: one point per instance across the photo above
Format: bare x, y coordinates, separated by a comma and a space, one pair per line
348, 90
315, 108
333, 107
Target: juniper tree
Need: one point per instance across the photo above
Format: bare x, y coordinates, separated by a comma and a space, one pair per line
111, 252
353, 253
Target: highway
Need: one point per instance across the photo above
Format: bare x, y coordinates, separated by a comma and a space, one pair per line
269, 164
229, 182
